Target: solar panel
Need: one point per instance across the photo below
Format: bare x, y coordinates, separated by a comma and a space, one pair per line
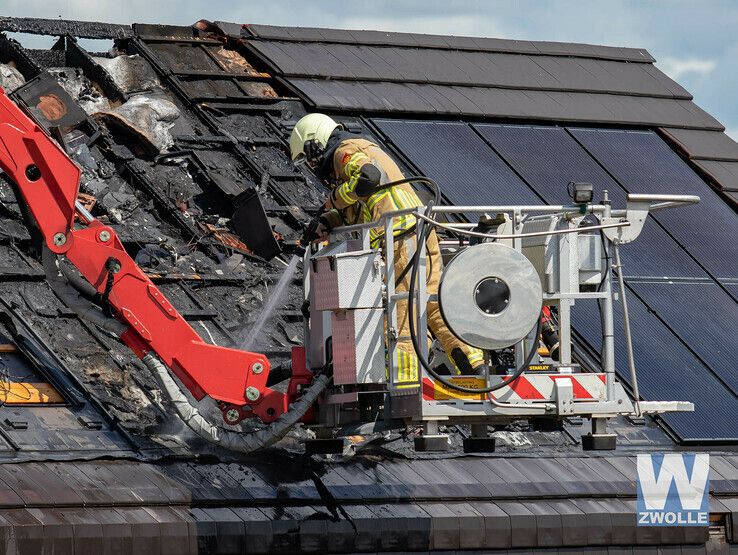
466, 169
643, 163
704, 316
666, 370
548, 158
524, 164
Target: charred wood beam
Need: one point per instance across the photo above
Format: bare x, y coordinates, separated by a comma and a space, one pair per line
257, 104
205, 279
79, 57
208, 74
22, 274
200, 141
12, 51
190, 315
178, 40
58, 27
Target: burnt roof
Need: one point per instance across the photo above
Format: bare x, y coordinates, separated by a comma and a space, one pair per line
238, 90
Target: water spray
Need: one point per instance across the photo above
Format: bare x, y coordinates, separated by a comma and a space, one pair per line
280, 289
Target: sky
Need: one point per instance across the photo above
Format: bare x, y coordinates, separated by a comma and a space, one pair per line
694, 42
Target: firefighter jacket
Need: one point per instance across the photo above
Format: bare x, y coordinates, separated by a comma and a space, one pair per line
348, 159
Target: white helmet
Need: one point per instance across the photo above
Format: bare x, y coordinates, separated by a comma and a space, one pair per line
317, 127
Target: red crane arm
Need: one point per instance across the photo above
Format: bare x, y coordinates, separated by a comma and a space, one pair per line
48, 180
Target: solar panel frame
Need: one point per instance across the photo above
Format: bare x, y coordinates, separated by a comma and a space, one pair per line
707, 230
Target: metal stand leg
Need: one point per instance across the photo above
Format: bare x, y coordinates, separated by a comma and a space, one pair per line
626, 325
431, 440
599, 439
324, 443
480, 440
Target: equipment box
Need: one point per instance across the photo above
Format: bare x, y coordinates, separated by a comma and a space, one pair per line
358, 346
346, 280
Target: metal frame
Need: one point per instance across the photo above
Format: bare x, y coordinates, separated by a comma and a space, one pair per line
617, 226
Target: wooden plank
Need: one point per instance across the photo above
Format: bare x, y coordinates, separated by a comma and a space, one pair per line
24, 393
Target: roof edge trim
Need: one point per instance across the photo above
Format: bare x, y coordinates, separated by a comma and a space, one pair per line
417, 40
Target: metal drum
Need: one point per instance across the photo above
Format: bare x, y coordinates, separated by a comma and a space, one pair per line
490, 296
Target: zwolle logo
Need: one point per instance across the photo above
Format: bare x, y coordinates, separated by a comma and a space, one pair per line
673, 489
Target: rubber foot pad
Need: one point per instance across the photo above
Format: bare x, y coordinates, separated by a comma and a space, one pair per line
437, 442
479, 445
600, 442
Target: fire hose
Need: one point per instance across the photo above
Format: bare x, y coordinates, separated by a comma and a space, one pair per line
424, 226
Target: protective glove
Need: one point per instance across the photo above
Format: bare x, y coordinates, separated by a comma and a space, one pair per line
328, 220
368, 181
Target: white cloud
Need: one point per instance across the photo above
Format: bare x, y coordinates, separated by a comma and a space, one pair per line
679, 67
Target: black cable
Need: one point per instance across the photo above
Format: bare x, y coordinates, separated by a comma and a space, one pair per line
413, 334
105, 298
406, 269
418, 179
607, 261
605, 276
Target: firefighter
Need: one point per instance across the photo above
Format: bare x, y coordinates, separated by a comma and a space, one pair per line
354, 168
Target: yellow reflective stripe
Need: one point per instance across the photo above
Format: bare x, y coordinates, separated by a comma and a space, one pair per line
406, 200
475, 356
407, 367
373, 200
344, 191
353, 165
400, 198
402, 366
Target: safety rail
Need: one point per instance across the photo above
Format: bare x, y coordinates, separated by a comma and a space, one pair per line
613, 225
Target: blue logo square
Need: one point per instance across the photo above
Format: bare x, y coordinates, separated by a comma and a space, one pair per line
673, 489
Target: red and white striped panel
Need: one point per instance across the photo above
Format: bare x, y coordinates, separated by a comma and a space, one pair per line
530, 387
540, 387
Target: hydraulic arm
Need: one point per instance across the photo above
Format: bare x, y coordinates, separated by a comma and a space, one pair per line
48, 181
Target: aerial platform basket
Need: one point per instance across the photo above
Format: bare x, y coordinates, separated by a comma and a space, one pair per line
491, 293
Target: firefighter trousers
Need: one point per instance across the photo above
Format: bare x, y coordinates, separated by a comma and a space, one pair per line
407, 359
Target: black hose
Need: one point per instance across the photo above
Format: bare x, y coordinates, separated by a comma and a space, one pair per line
84, 308
85, 288
436, 201
418, 179
413, 334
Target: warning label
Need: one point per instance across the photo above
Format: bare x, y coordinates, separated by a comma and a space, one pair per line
443, 393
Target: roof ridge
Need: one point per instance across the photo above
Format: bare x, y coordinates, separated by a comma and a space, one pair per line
447, 42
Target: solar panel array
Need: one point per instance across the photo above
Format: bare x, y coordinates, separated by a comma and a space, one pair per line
680, 273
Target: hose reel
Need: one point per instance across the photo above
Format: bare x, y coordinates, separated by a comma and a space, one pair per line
490, 296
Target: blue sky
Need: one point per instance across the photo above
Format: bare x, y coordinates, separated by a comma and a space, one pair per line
695, 42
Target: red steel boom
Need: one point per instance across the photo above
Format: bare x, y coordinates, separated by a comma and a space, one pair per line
48, 180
